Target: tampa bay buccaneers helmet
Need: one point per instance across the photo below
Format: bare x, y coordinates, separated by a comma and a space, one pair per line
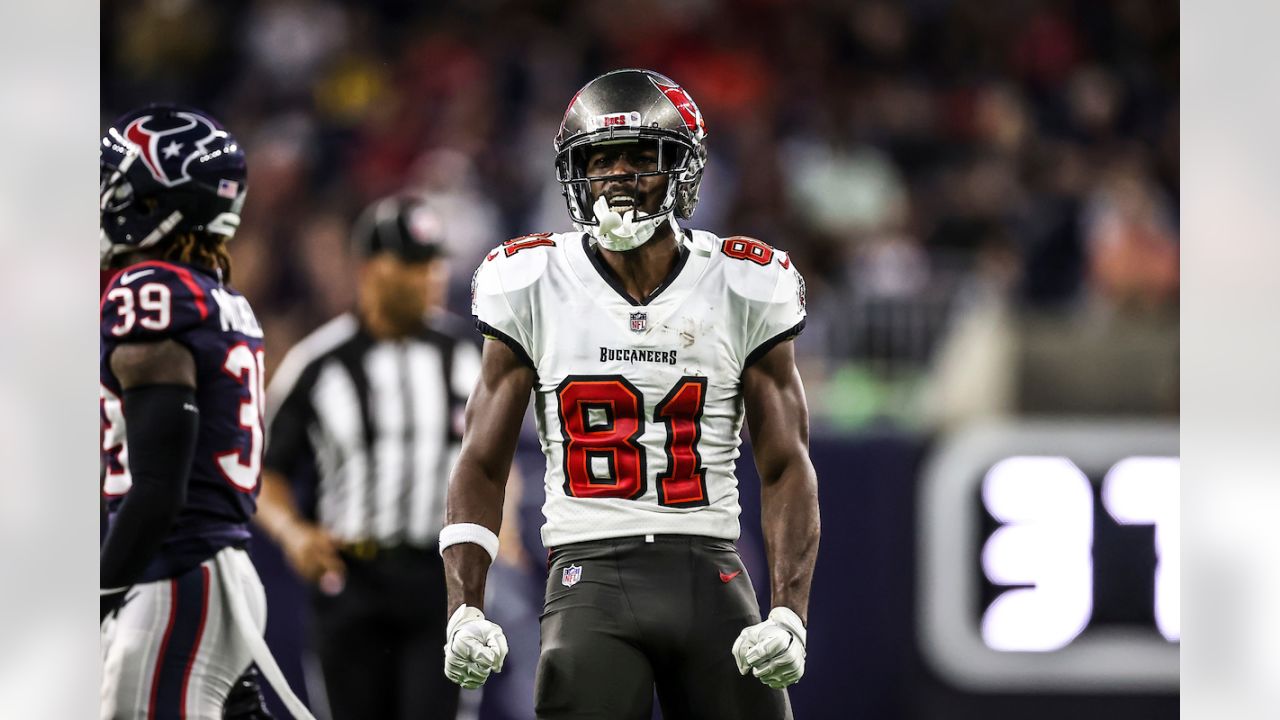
633, 105
165, 170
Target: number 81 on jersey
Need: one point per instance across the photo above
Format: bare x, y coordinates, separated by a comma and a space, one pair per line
603, 419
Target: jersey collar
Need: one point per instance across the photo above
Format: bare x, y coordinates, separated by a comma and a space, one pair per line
598, 271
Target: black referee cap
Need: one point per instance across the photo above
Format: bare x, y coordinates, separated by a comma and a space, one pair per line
403, 225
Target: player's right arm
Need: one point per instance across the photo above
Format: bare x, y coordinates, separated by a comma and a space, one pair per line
145, 316
476, 491
162, 425
474, 646
500, 302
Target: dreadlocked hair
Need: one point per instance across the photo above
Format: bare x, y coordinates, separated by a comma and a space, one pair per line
201, 249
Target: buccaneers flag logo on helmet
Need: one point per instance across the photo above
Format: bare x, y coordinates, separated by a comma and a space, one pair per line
688, 110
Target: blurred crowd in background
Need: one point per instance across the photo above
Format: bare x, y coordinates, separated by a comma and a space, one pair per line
981, 195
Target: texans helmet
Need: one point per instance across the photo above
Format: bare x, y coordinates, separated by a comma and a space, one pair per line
633, 105
166, 170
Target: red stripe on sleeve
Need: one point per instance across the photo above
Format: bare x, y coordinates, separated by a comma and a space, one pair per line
106, 278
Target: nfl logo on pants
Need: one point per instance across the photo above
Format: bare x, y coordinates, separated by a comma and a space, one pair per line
639, 321
571, 575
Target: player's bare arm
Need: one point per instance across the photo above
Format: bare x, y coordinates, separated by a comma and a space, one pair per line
474, 646
774, 650
476, 490
165, 362
778, 418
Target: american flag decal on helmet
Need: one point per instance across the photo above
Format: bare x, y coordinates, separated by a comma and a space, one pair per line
228, 189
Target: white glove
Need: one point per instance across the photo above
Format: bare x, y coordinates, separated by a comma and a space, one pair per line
773, 650
474, 647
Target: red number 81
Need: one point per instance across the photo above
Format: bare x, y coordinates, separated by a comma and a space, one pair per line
602, 418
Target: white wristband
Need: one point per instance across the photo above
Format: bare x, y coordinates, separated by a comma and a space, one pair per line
459, 533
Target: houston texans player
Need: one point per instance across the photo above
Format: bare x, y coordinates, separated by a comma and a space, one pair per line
182, 607
645, 346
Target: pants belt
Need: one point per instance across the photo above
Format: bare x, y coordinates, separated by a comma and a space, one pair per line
370, 549
361, 549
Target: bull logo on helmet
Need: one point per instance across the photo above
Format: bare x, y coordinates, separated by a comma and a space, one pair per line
169, 152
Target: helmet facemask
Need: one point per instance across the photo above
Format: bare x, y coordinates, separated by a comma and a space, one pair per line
127, 212
677, 160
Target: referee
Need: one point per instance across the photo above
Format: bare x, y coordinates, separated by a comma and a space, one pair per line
364, 422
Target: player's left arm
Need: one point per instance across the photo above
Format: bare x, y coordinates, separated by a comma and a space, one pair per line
161, 427
778, 418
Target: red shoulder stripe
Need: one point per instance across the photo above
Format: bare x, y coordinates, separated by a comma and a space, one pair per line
185, 276
102, 292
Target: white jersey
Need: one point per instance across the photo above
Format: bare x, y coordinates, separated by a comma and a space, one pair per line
638, 405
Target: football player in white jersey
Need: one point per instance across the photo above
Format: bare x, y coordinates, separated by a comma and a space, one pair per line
645, 345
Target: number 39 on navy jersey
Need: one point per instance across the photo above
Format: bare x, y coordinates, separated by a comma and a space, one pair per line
159, 300
638, 404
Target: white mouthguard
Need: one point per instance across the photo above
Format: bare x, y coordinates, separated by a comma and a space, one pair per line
618, 232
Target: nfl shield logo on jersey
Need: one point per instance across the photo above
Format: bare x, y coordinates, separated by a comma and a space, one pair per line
639, 321
571, 575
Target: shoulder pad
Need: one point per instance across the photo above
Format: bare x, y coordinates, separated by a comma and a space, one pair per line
504, 289
703, 243
516, 263
152, 300
753, 268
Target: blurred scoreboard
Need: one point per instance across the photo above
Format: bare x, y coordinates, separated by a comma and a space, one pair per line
1048, 558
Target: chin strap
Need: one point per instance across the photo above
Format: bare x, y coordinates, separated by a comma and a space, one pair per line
619, 232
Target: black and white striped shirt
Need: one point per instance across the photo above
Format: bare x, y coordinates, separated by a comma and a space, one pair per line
380, 421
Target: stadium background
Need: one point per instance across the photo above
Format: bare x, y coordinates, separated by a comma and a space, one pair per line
982, 197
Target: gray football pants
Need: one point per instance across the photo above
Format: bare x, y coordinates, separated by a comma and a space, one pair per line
641, 615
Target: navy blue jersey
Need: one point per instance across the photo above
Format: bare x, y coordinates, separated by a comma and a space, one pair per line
156, 300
